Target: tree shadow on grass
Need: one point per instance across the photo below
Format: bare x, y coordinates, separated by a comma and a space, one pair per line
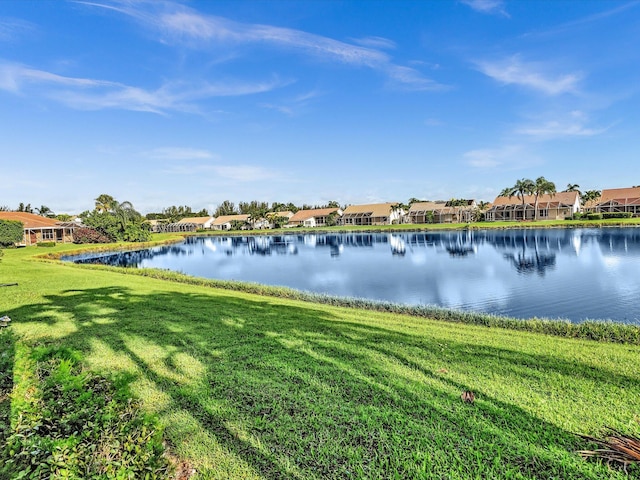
296, 392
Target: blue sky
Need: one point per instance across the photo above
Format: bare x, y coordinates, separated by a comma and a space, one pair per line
195, 102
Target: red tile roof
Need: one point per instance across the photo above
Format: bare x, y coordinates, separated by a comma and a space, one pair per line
30, 220
566, 198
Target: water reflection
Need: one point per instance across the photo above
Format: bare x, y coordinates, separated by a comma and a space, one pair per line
576, 274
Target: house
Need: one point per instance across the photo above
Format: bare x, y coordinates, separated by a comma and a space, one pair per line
201, 223
557, 206
41, 229
272, 216
619, 200
373, 214
442, 212
225, 222
317, 217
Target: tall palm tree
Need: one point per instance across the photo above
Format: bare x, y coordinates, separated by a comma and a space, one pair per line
522, 188
573, 187
542, 187
105, 203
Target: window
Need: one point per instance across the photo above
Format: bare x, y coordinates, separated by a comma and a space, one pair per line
544, 212
47, 234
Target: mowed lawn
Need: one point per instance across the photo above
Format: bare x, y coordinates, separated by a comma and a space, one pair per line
259, 387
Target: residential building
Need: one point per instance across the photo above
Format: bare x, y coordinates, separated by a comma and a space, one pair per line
441, 212
317, 217
557, 206
619, 200
224, 222
373, 214
201, 223
41, 229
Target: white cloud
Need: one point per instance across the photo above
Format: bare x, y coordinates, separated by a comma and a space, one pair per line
572, 125
375, 42
491, 158
238, 173
179, 153
512, 71
487, 6
91, 94
182, 24
12, 28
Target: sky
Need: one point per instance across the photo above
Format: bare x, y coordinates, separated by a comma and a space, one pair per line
165, 103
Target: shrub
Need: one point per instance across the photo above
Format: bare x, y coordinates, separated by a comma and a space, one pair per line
46, 244
617, 215
594, 216
11, 232
76, 424
89, 235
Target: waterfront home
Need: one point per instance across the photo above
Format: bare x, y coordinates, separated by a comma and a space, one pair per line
441, 212
373, 214
271, 216
619, 200
200, 223
317, 217
225, 222
41, 229
557, 206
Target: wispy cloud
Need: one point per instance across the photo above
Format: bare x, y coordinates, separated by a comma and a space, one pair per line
179, 153
178, 23
375, 42
237, 173
92, 94
533, 75
573, 125
493, 7
492, 158
596, 17
12, 28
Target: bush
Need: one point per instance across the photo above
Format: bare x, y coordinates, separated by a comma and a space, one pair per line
11, 232
578, 216
75, 424
594, 216
89, 235
617, 215
46, 244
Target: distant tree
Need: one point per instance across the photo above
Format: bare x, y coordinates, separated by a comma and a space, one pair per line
292, 207
4, 208
254, 208
45, 211
590, 195
332, 204
278, 221
542, 186
25, 208
64, 217
413, 200
237, 224
226, 208
573, 187
117, 220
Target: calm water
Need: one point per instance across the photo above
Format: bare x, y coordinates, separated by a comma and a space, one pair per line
574, 274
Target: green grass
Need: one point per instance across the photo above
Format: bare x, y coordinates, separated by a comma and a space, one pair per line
251, 386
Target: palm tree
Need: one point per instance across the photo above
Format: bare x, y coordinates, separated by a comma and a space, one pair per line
523, 187
105, 203
45, 211
542, 187
573, 187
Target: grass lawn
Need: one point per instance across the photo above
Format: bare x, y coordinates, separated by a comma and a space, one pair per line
247, 386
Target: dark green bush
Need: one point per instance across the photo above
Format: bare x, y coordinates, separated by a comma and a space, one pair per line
594, 216
46, 244
11, 232
617, 215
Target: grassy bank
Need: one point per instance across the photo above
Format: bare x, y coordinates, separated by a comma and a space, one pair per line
253, 386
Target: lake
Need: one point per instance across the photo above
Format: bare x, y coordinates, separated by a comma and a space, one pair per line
573, 274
